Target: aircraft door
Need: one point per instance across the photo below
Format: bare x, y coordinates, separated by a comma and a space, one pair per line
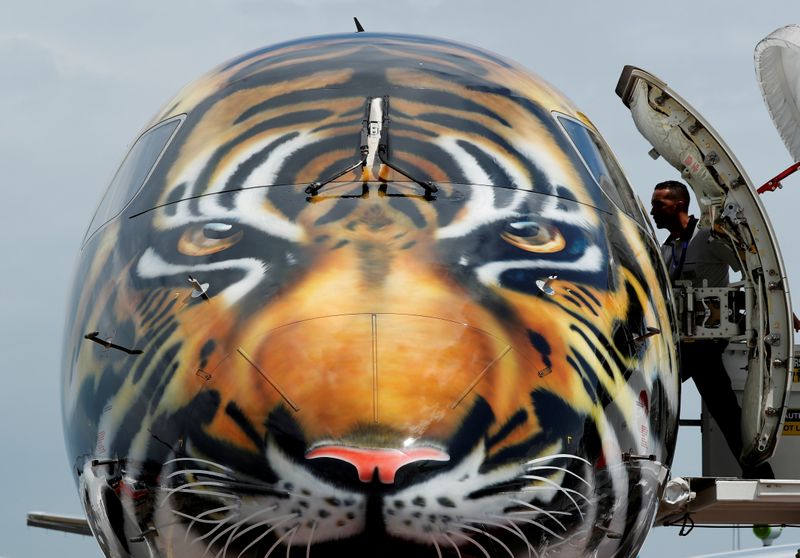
755, 312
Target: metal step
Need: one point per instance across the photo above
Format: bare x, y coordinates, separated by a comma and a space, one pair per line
729, 501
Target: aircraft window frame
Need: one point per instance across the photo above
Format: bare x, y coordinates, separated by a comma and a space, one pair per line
107, 213
628, 202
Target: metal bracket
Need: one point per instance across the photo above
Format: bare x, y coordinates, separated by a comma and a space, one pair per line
198, 290
651, 331
545, 285
709, 312
711, 159
627, 457
94, 336
733, 212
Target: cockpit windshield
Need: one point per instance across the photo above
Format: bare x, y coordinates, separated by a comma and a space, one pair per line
603, 167
133, 172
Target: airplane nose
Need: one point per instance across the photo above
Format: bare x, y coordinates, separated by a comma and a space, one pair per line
383, 461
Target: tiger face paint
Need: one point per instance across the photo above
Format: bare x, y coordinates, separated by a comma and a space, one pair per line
368, 364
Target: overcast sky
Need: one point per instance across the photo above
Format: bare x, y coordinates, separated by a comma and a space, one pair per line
79, 79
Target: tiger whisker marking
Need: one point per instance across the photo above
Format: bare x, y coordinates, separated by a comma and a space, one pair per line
199, 472
198, 460
514, 531
232, 485
197, 519
537, 513
266, 510
557, 456
473, 541
193, 485
277, 542
537, 509
234, 530
435, 545
189, 528
311, 538
238, 532
291, 540
259, 524
554, 512
539, 525
452, 542
516, 528
540, 488
551, 467
262, 488
487, 534
564, 491
211, 532
228, 541
284, 519
204, 493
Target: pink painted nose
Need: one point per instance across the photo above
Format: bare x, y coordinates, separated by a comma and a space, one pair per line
386, 460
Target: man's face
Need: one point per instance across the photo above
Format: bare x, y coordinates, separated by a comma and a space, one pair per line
665, 208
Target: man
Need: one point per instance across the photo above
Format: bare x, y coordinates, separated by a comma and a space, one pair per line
691, 253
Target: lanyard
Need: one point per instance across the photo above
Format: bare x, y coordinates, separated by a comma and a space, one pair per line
675, 265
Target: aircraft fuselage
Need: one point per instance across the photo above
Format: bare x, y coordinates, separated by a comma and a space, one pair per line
370, 294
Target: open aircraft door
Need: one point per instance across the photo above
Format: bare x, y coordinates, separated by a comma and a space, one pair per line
754, 314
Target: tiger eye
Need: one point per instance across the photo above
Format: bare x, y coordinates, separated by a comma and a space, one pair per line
535, 237
203, 240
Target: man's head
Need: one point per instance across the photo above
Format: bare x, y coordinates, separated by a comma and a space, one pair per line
670, 205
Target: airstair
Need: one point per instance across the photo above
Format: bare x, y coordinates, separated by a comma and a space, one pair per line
753, 314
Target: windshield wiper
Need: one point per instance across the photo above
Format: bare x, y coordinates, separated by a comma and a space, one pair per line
383, 154
315, 187
368, 125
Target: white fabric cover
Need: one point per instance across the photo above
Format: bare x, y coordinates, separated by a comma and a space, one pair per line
777, 60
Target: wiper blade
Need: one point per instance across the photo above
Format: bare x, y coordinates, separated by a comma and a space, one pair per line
383, 154
315, 187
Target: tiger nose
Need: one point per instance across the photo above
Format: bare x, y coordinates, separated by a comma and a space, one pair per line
412, 374
386, 461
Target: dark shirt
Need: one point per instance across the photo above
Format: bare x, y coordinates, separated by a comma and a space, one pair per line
702, 256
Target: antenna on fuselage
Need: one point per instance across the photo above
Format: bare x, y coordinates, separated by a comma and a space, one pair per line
359, 28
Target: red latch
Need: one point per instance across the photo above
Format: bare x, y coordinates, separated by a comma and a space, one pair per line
775, 182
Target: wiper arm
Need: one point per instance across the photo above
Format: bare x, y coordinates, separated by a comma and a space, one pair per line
315, 187
383, 154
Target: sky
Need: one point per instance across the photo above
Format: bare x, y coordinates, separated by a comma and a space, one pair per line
79, 80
